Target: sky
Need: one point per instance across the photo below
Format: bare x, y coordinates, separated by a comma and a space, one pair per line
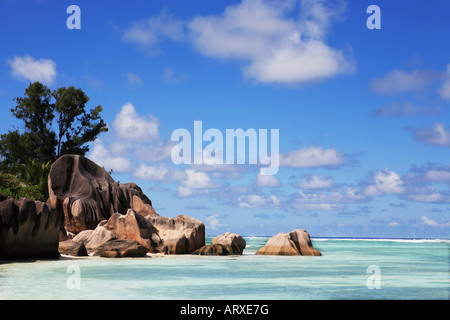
362, 113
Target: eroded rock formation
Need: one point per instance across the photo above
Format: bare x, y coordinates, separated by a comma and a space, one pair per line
84, 194
121, 249
95, 209
296, 242
72, 248
28, 229
180, 235
234, 241
225, 244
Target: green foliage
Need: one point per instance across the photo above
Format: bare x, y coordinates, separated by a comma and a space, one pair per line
55, 123
76, 126
16, 148
37, 113
29, 181
44, 140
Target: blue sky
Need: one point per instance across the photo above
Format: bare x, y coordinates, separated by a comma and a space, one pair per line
363, 115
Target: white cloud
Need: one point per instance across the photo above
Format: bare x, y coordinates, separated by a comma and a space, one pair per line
196, 183
309, 157
437, 135
429, 222
352, 194
213, 222
130, 126
104, 158
386, 182
277, 48
190, 182
406, 109
146, 33
444, 90
327, 199
427, 195
317, 206
393, 224
224, 171
315, 182
400, 81
161, 173
319, 193
134, 80
28, 69
438, 176
419, 184
154, 173
267, 181
258, 201
397, 81
155, 152
184, 192
432, 223
134, 137
317, 201
169, 75
198, 180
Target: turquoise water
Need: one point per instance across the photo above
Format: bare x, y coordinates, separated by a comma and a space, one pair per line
408, 269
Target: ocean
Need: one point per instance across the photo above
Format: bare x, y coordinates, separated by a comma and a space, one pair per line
349, 269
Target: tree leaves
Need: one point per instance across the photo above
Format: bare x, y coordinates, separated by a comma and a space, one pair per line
55, 123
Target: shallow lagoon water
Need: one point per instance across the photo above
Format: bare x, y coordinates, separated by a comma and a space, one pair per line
409, 269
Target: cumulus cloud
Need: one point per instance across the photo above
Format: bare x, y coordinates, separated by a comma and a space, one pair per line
323, 199
430, 173
155, 152
428, 221
401, 81
160, 172
198, 180
393, 224
425, 184
438, 176
169, 75
309, 157
397, 81
147, 33
196, 183
109, 160
267, 181
317, 201
436, 135
444, 90
258, 201
315, 182
427, 195
276, 48
223, 171
190, 182
134, 80
405, 109
213, 221
131, 126
134, 137
386, 182
432, 223
134, 141
29, 69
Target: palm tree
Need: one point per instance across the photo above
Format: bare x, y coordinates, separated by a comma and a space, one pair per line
28, 180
